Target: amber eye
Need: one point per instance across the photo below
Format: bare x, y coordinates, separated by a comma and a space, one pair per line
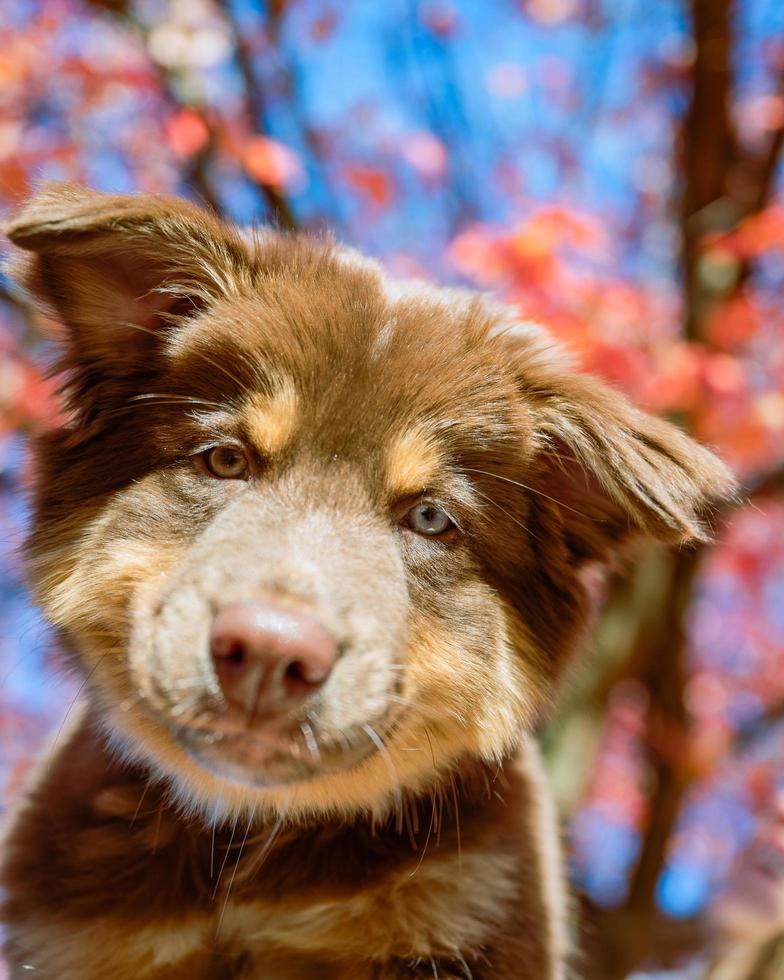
429, 519
227, 462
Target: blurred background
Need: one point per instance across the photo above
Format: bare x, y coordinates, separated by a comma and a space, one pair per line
609, 167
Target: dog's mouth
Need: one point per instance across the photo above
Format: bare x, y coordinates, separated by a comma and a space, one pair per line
281, 752
272, 699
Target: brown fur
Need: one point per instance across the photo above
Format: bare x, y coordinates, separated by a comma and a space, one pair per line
397, 825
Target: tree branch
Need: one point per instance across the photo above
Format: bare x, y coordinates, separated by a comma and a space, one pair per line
196, 174
662, 671
256, 111
708, 146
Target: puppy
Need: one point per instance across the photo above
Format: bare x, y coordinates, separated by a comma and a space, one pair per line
317, 542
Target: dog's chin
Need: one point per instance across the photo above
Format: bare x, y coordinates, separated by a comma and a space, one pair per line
266, 760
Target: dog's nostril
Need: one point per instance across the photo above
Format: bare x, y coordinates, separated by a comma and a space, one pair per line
235, 655
296, 671
298, 681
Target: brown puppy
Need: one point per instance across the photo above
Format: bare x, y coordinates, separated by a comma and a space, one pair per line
316, 541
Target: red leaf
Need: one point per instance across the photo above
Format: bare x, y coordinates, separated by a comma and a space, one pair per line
271, 163
373, 184
187, 132
733, 322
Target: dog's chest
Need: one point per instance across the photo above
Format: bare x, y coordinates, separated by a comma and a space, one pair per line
445, 907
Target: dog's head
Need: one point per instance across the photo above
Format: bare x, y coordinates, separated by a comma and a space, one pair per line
312, 535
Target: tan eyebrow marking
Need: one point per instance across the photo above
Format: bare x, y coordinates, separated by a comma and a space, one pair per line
412, 461
271, 419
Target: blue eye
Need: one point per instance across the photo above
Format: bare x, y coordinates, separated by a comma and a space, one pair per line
429, 519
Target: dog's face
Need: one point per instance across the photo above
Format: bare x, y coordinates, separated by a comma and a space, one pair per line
312, 536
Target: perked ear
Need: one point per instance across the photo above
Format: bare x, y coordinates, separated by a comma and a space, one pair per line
611, 468
116, 269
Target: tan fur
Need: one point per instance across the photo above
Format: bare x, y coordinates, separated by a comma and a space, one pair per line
416, 913
271, 420
153, 951
412, 462
396, 822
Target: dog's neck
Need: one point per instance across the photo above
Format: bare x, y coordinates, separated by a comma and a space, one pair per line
134, 807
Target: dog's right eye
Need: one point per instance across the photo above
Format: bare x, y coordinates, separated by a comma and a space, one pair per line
226, 462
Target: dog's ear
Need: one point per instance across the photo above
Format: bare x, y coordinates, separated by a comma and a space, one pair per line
119, 270
609, 468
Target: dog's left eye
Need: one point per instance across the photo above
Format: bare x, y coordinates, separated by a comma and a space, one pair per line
429, 519
226, 462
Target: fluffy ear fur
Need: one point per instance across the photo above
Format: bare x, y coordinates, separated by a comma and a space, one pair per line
115, 270
611, 468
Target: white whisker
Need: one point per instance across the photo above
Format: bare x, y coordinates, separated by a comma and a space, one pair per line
523, 486
231, 880
387, 758
310, 741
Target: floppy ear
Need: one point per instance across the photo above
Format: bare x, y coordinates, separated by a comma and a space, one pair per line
117, 271
610, 468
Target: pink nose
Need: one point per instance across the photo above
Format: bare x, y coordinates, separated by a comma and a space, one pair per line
267, 657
